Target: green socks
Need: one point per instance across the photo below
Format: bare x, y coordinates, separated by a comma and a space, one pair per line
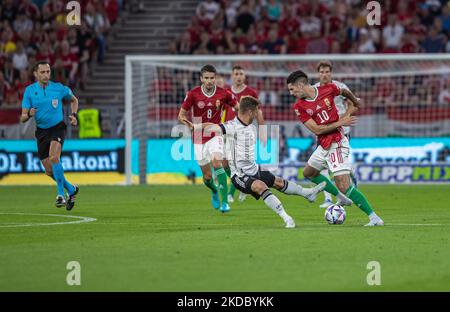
232, 187
359, 199
223, 181
330, 188
210, 184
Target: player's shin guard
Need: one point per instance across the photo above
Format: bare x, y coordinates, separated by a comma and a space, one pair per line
210, 184
58, 173
359, 199
223, 184
274, 203
330, 188
232, 187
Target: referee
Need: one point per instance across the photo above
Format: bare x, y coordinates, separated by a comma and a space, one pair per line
43, 100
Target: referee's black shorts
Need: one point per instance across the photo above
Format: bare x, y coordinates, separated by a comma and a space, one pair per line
244, 184
45, 136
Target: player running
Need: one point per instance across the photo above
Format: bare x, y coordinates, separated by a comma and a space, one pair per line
343, 107
247, 176
240, 89
315, 108
43, 100
207, 102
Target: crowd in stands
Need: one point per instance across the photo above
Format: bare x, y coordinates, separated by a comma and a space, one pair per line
315, 26
37, 30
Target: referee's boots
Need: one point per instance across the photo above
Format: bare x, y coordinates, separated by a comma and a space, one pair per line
60, 201
71, 198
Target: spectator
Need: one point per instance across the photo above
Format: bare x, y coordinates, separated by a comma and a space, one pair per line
9, 72
274, 10
445, 19
9, 12
392, 34
274, 44
99, 25
365, 43
210, 7
19, 58
244, 19
434, 42
22, 23
66, 64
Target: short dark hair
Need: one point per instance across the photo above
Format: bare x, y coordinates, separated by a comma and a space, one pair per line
208, 69
297, 76
324, 64
237, 67
247, 103
36, 66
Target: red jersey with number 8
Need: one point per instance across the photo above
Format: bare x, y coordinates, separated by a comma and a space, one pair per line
207, 108
323, 111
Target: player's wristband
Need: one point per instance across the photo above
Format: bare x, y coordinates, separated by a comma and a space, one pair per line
74, 115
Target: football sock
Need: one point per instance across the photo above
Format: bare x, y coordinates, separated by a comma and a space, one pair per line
232, 187
210, 184
359, 199
58, 173
69, 187
292, 188
274, 203
325, 173
330, 188
223, 188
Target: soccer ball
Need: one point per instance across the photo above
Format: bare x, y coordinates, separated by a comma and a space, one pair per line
335, 214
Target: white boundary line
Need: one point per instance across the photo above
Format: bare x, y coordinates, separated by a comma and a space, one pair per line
79, 219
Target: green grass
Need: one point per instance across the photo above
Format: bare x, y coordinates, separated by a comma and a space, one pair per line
164, 238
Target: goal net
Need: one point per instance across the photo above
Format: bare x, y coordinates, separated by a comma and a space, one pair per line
402, 95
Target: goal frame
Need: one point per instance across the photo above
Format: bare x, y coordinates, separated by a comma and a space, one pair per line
130, 59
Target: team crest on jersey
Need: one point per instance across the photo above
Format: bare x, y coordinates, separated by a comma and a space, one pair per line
310, 112
54, 103
201, 104
327, 103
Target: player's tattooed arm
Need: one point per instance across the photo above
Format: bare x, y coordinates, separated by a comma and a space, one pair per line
323, 129
349, 95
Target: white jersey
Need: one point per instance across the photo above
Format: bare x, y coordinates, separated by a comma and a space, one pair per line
241, 145
339, 100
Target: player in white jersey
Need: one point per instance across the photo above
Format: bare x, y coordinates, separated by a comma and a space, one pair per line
343, 106
246, 174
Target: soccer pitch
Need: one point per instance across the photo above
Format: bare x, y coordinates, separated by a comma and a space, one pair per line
169, 238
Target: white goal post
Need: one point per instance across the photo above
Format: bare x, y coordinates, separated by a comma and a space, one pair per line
404, 84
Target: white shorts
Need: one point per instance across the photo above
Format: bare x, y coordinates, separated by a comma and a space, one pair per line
336, 158
203, 152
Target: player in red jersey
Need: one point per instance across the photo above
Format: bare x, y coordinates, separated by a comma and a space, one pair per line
207, 102
240, 89
316, 109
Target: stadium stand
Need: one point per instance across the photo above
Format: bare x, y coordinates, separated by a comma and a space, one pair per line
90, 57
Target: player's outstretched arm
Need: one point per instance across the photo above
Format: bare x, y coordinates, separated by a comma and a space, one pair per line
322, 129
27, 114
349, 95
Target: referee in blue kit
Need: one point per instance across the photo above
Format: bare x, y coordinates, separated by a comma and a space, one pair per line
43, 100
